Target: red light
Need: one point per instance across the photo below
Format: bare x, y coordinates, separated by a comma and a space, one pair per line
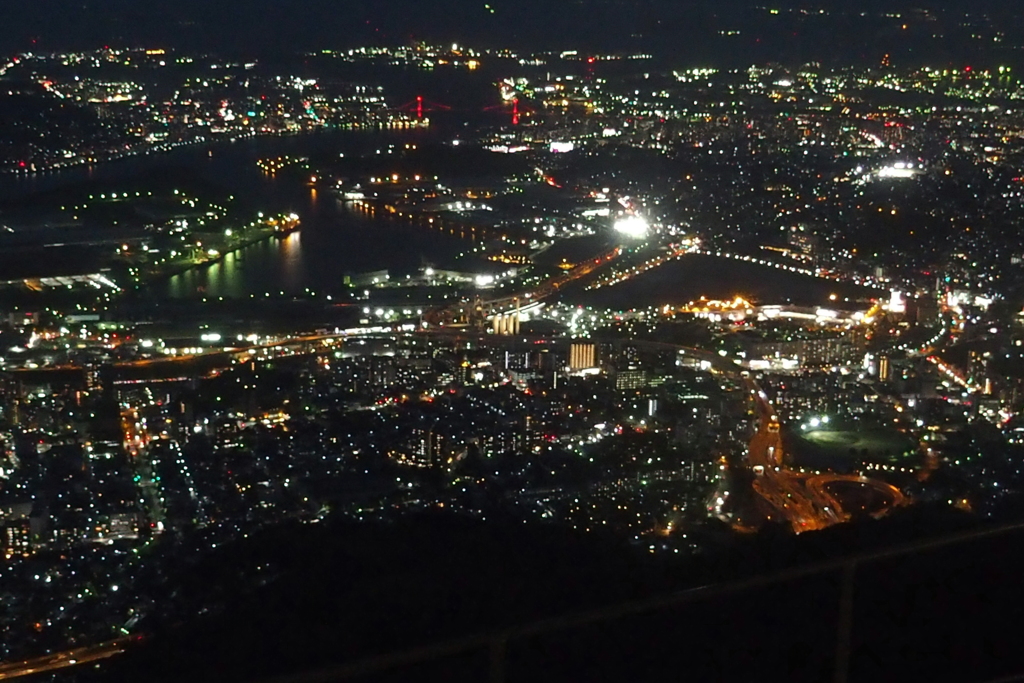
967, 69
590, 60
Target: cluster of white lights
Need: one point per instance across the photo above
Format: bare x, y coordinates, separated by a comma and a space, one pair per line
632, 226
898, 170
815, 422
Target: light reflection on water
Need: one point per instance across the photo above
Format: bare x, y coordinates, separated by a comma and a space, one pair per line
334, 241
331, 243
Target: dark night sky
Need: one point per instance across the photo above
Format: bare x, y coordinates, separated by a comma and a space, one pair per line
286, 26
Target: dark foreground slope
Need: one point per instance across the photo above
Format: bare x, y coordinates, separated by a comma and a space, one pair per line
340, 593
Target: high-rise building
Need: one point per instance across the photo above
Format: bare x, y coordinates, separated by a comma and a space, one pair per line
801, 240
631, 378
382, 371
582, 357
977, 366
506, 324
808, 352
429, 448
517, 360
18, 538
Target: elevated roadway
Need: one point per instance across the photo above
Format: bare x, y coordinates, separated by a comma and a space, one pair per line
805, 501
65, 659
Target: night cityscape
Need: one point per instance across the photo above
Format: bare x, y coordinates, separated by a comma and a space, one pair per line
607, 340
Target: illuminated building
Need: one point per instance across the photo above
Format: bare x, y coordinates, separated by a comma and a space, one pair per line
630, 378
382, 371
18, 538
429, 448
582, 357
801, 240
517, 360
507, 323
977, 367
808, 352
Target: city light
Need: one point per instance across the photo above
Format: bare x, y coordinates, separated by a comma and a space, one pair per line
657, 300
632, 226
899, 170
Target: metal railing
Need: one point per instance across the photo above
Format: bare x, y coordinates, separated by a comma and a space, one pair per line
497, 643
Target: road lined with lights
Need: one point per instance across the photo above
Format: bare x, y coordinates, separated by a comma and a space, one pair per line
950, 372
649, 264
820, 273
137, 438
549, 287
679, 252
818, 485
804, 500
774, 483
64, 660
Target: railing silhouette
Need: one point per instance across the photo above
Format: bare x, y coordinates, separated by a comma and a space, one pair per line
494, 651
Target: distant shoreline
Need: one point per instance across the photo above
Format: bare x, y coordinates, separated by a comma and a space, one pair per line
164, 148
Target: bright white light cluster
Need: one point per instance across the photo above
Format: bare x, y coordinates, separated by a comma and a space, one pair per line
632, 226
898, 170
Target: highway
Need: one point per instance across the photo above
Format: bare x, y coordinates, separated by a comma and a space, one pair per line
806, 505
693, 249
506, 304
803, 500
242, 352
817, 487
64, 660
641, 268
136, 441
775, 482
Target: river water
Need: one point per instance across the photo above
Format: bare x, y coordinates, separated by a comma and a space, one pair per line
331, 243
334, 241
